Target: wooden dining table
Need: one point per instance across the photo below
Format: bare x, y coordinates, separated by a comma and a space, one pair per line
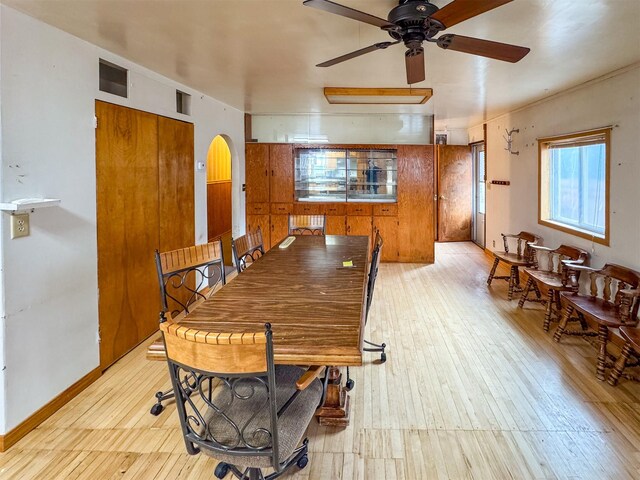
314, 302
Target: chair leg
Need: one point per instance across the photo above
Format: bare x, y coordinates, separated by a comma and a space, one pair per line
161, 397
525, 293
493, 270
562, 326
377, 347
512, 281
547, 313
603, 335
620, 364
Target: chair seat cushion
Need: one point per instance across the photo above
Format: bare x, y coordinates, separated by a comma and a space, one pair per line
550, 280
602, 312
252, 415
513, 259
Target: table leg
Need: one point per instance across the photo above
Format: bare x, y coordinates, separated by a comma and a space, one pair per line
334, 411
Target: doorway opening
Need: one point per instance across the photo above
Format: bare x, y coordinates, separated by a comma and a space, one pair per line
219, 194
479, 193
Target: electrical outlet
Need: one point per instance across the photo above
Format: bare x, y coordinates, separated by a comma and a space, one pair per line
494, 244
20, 225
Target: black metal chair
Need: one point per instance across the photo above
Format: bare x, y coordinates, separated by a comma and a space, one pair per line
307, 224
234, 405
371, 283
187, 277
247, 249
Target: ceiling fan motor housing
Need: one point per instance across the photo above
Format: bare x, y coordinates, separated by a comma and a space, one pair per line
409, 17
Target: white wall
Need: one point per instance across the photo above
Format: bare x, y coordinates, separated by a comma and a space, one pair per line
342, 128
49, 83
614, 100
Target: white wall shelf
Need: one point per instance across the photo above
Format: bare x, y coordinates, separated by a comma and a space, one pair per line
26, 204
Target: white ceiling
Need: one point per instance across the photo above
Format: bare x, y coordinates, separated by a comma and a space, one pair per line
259, 55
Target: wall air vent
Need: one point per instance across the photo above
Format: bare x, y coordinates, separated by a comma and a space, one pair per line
113, 79
183, 103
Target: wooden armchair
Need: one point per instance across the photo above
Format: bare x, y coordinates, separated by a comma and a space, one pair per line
247, 249
307, 224
524, 256
612, 302
550, 276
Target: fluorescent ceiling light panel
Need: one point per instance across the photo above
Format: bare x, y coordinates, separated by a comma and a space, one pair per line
377, 96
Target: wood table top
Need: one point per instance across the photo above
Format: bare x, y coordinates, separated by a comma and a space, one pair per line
316, 306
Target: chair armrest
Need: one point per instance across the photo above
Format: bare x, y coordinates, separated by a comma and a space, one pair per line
630, 292
309, 376
577, 265
509, 235
539, 247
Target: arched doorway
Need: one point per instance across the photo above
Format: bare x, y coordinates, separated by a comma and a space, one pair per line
219, 194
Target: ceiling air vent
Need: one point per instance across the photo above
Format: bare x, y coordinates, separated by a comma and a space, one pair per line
113, 79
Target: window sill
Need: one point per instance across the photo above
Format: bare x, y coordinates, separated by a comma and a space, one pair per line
594, 237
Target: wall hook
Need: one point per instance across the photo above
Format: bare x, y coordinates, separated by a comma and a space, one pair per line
509, 140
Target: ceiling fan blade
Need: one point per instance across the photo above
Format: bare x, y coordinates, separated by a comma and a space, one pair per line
338, 9
484, 48
414, 61
357, 53
461, 10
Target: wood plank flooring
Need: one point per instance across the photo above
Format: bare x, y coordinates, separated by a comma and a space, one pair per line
472, 389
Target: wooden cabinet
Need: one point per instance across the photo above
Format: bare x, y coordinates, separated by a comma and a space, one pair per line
336, 225
388, 227
407, 227
257, 172
416, 205
281, 167
359, 225
262, 221
279, 228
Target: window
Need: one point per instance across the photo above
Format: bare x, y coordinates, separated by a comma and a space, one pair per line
574, 184
339, 175
113, 78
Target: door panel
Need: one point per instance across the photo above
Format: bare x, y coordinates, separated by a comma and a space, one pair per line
175, 184
281, 164
388, 228
262, 221
128, 228
336, 225
279, 228
455, 187
416, 208
257, 172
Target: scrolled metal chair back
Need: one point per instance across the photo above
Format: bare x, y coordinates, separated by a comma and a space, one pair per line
232, 410
373, 269
247, 249
307, 224
188, 276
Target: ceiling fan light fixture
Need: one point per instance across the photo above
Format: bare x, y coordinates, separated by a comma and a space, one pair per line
377, 96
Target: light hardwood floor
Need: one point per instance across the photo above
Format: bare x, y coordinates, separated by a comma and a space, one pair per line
473, 388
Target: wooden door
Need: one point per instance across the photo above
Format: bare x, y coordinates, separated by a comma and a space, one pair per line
415, 203
359, 225
257, 172
279, 228
128, 227
336, 225
388, 228
455, 190
175, 184
262, 221
281, 165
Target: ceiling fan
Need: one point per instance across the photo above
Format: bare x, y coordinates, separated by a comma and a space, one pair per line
416, 21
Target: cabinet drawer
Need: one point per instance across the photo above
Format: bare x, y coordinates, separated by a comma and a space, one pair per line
257, 209
308, 209
359, 209
386, 209
335, 209
281, 208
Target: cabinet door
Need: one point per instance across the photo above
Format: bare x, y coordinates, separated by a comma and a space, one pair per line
257, 172
262, 221
388, 228
281, 165
359, 226
336, 225
279, 228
